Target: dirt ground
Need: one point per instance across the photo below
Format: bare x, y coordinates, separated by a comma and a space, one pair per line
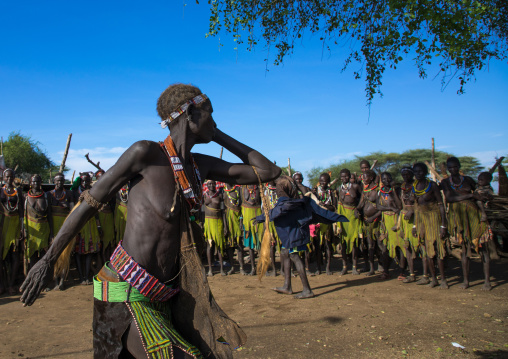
351, 316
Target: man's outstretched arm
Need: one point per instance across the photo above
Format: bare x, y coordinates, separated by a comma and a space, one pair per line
129, 164
236, 173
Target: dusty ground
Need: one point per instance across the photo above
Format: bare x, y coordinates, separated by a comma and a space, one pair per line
352, 316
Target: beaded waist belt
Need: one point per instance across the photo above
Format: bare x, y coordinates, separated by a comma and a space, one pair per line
131, 272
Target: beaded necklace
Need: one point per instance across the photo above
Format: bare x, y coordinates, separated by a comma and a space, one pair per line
324, 195
420, 193
235, 201
10, 208
232, 188
214, 195
124, 195
35, 196
384, 193
367, 189
457, 186
346, 188
406, 192
64, 193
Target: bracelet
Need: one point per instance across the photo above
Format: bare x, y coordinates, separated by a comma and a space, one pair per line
92, 202
444, 227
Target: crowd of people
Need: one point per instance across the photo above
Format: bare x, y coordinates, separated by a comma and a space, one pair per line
29, 221
391, 223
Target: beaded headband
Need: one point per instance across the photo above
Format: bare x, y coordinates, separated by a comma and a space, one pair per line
181, 109
406, 169
58, 176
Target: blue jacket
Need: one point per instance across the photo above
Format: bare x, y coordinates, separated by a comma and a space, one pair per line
292, 218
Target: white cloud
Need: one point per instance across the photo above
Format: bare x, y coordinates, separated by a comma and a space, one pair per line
488, 158
107, 157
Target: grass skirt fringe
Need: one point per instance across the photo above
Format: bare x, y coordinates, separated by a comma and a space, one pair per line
349, 231
428, 222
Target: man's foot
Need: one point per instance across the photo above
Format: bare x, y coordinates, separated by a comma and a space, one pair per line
309, 273
328, 272
209, 274
380, 268
444, 285
433, 283
304, 295
355, 271
252, 272
384, 276
369, 273
222, 273
283, 290
318, 272
343, 271
271, 273
242, 272
464, 285
486, 286
423, 280
410, 279
83, 282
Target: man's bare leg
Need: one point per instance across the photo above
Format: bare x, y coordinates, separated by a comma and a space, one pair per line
465, 267
286, 263
384, 260
306, 291
402, 265
485, 255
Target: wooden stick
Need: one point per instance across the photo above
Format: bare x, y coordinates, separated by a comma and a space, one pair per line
73, 173
62, 165
433, 171
433, 160
374, 164
96, 165
498, 162
289, 167
221, 151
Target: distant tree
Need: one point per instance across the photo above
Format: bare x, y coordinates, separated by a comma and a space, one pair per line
28, 155
462, 36
393, 162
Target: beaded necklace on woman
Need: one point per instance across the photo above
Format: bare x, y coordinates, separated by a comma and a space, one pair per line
427, 187
457, 186
324, 195
9, 207
124, 195
235, 201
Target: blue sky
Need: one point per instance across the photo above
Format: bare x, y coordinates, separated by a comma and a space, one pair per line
95, 69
